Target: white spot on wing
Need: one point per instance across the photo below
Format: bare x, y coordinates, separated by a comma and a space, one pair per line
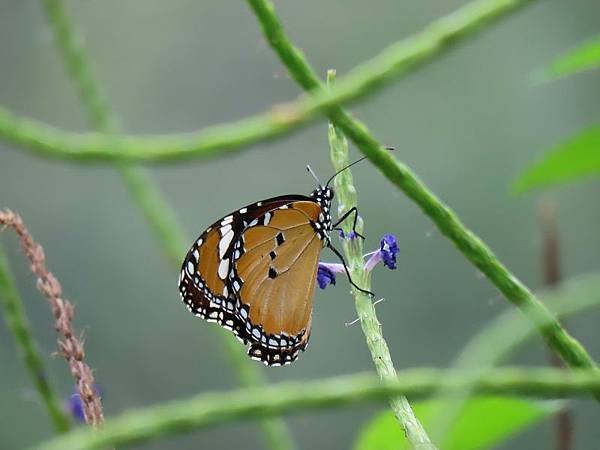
225, 241
190, 267
267, 218
223, 269
225, 229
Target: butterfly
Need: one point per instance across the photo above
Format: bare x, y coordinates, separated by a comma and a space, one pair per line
254, 271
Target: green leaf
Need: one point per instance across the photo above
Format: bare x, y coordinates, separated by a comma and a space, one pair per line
584, 57
484, 423
577, 158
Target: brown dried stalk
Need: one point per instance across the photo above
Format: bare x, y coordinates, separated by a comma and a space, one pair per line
70, 346
552, 274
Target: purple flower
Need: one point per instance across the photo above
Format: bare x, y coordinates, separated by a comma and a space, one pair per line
389, 249
326, 274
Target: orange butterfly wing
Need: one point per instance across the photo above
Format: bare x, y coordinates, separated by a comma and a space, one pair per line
275, 264
204, 281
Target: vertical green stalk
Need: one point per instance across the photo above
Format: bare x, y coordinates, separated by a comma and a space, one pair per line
353, 248
18, 324
160, 216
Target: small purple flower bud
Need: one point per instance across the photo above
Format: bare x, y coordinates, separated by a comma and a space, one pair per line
74, 405
389, 250
325, 276
350, 236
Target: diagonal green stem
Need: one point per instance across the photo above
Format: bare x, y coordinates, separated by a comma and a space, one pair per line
470, 245
497, 340
160, 216
18, 324
397, 60
209, 409
347, 198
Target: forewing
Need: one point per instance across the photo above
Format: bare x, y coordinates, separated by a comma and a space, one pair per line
274, 273
203, 281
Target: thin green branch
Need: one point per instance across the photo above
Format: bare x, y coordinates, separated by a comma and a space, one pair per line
69, 44
347, 199
469, 244
18, 324
209, 409
146, 195
397, 60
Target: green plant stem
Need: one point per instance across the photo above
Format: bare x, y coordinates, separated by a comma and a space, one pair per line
146, 195
469, 244
347, 198
209, 409
18, 324
397, 60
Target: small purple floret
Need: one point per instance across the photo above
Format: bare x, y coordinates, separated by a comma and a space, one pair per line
351, 235
389, 249
75, 406
325, 276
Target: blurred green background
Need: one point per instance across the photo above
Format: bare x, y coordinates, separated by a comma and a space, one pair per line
468, 124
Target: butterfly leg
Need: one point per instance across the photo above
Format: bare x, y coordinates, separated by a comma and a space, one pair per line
347, 214
339, 255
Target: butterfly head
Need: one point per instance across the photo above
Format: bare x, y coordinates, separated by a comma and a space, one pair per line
323, 196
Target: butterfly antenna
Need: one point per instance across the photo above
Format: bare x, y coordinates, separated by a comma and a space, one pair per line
350, 165
314, 175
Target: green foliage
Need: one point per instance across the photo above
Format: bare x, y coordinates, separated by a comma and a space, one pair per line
584, 57
580, 156
577, 158
504, 416
484, 423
